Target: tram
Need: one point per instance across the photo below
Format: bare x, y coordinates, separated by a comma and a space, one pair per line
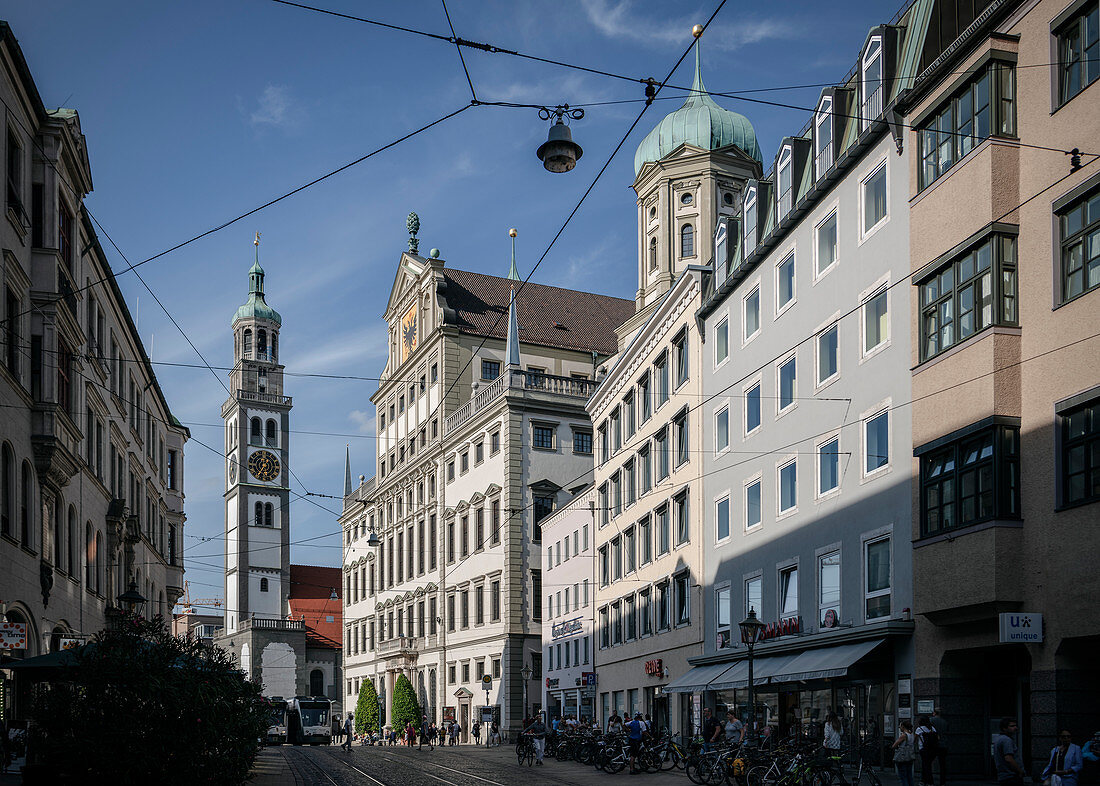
276, 731
309, 720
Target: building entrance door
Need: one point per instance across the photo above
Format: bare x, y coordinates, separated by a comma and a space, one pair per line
464, 720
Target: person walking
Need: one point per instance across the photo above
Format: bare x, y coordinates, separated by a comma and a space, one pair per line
1005, 755
712, 729
939, 723
735, 729
537, 730
927, 746
832, 732
349, 732
1066, 762
905, 753
634, 731
476, 731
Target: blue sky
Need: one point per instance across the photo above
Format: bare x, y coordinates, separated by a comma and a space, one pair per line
196, 112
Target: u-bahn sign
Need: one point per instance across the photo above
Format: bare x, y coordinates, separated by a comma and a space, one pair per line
13, 635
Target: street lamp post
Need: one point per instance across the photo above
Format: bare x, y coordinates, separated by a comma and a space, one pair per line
525, 673
132, 600
750, 632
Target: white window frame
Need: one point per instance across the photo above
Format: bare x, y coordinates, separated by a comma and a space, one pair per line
719, 628
727, 497
754, 287
749, 202
782, 464
819, 555
832, 212
745, 581
724, 321
866, 59
781, 308
755, 382
820, 383
880, 287
819, 493
781, 568
784, 161
882, 408
866, 232
868, 539
754, 480
822, 117
719, 448
780, 410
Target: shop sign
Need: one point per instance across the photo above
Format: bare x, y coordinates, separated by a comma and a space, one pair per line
567, 628
831, 619
13, 635
588, 678
69, 643
1021, 627
551, 683
926, 706
654, 668
787, 627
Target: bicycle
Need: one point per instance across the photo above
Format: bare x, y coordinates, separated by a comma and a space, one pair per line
525, 750
835, 770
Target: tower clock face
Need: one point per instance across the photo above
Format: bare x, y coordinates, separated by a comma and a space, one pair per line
409, 332
264, 465
232, 470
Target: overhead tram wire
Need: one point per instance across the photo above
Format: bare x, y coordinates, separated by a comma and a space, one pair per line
458, 48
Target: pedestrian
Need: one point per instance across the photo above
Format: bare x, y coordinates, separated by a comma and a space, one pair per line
349, 730
1005, 755
537, 730
712, 729
1091, 754
1066, 762
494, 734
614, 725
734, 729
928, 743
832, 732
939, 723
634, 731
476, 731
905, 753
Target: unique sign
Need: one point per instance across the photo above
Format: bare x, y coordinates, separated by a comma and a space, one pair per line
1021, 627
13, 635
567, 628
787, 627
654, 668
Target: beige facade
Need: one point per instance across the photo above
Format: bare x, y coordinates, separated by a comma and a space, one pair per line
1004, 383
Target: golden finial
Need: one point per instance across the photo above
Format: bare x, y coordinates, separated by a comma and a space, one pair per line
512, 232
256, 242
697, 31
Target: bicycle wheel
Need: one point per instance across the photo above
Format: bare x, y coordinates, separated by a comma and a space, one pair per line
756, 776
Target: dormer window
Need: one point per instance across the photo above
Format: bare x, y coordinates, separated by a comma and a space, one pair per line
784, 178
871, 81
750, 220
721, 246
823, 137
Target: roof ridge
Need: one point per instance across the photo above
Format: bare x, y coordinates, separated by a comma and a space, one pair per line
537, 284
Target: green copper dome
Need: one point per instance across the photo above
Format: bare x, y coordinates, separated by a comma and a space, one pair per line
256, 307
699, 122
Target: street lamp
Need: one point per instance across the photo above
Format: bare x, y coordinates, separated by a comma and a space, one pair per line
525, 673
750, 633
132, 600
559, 153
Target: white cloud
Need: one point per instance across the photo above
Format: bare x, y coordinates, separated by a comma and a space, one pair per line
275, 108
363, 420
348, 353
614, 18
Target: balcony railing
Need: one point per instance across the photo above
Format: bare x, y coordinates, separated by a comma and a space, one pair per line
263, 398
872, 106
824, 160
265, 356
400, 644
264, 623
514, 379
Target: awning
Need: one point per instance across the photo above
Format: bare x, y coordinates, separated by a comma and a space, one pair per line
697, 678
791, 667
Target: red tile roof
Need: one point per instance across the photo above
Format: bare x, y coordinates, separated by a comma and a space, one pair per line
311, 589
548, 316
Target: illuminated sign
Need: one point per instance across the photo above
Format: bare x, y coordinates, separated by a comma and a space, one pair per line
13, 635
567, 628
787, 627
654, 668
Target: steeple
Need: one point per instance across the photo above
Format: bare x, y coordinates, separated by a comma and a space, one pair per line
347, 471
256, 306
511, 347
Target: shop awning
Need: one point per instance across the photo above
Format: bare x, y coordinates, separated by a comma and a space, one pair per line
697, 678
791, 667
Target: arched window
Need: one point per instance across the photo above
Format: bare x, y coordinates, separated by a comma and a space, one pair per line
99, 561
7, 490
261, 343
316, 683
89, 557
687, 241
25, 506
58, 532
248, 342
263, 585
256, 437
269, 515
272, 430
274, 346
73, 561
259, 522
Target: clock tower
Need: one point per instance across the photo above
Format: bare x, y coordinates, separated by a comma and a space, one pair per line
257, 493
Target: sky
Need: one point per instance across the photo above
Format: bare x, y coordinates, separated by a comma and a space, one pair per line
197, 112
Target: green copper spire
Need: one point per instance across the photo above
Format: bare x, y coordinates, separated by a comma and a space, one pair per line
256, 307
513, 271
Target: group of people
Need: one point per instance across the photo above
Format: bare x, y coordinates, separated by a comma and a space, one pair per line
445, 734
928, 741
493, 735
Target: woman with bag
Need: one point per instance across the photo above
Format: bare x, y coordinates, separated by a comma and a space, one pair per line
905, 753
928, 744
1065, 763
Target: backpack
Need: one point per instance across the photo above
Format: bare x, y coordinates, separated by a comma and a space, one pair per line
930, 739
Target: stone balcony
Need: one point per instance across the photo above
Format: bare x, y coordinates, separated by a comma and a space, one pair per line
514, 380
266, 623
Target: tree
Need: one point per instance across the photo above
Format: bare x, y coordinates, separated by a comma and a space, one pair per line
366, 711
405, 706
139, 705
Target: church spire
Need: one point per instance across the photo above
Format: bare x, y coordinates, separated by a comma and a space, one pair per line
347, 470
513, 271
511, 347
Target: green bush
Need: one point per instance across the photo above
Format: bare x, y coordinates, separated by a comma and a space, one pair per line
366, 711
140, 706
405, 706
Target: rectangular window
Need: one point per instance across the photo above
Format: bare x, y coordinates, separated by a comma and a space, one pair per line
873, 195
985, 106
828, 466
451, 612
876, 442
629, 480
826, 244
721, 341
645, 471
753, 597
660, 447
680, 424
784, 283
644, 398
752, 409
543, 437
876, 327
450, 471
543, 507
494, 443
605, 629
630, 616
968, 295
970, 480
494, 601
722, 429
605, 566
787, 383
788, 592
645, 540
680, 502
630, 552
479, 605
490, 369
683, 598
784, 180
680, 353
1079, 226
464, 462
616, 559
722, 518
616, 427
722, 615
751, 308
752, 504
828, 581
604, 506
479, 452
582, 442
536, 592
645, 612
628, 416
479, 529
450, 541
877, 569
1078, 52
464, 538
664, 606
788, 486
660, 371
1080, 453
827, 363
664, 531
